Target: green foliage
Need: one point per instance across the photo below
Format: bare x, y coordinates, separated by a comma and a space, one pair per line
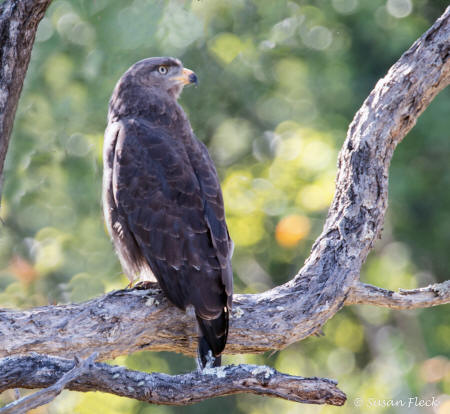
279, 84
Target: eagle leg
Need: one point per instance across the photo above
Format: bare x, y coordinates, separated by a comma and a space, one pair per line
205, 357
212, 340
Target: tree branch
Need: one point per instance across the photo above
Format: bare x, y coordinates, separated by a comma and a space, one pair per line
129, 320
126, 321
33, 371
432, 295
19, 21
46, 395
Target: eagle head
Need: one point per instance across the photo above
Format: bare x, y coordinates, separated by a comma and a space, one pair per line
162, 74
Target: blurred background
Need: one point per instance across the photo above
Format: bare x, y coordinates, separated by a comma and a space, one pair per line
279, 84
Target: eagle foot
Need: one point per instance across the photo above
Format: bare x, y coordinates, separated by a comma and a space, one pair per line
146, 285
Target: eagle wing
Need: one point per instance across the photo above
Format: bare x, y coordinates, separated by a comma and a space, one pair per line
168, 198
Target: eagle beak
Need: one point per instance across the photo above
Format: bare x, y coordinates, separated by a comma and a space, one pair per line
187, 77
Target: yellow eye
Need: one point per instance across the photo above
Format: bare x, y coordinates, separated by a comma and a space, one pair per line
162, 70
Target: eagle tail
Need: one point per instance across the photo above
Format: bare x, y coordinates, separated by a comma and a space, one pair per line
212, 341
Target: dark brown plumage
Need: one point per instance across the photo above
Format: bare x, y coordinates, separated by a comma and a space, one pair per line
162, 200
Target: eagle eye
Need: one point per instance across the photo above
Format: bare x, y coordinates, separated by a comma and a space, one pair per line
162, 70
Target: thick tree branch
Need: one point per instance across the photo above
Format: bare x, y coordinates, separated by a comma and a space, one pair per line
19, 21
432, 295
150, 322
125, 321
37, 371
42, 397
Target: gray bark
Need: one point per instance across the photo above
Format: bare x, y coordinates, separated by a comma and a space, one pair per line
126, 321
40, 368
129, 320
19, 20
36, 371
433, 295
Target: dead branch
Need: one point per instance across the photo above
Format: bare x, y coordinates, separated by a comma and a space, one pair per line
128, 320
42, 397
432, 295
37, 371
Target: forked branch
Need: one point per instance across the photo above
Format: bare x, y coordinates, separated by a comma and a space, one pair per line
10, 366
129, 320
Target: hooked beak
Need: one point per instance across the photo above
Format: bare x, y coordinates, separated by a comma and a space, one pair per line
187, 77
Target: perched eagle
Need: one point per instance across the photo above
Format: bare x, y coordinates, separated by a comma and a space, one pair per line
162, 200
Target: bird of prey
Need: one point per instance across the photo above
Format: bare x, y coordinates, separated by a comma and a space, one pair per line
162, 200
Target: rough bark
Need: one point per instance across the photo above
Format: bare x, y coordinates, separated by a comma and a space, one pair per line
125, 321
19, 21
11, 366
37, 371
433, 295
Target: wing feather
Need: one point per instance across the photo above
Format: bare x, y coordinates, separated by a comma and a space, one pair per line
168, 193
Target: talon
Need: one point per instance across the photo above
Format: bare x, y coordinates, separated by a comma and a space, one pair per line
146, 285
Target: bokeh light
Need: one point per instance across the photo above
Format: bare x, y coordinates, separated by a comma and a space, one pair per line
291, 229
279, 84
